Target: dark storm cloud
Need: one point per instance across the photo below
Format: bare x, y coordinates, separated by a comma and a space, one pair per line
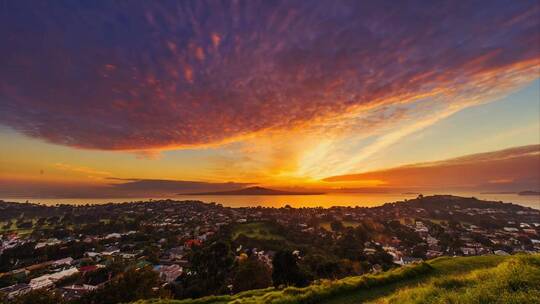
130, 75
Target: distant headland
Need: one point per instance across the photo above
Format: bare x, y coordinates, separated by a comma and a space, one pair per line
254, 191
529, 193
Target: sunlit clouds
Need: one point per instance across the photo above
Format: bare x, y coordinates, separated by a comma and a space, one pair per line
272, 92
510, 170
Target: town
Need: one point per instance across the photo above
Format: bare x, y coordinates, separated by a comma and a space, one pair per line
189, 249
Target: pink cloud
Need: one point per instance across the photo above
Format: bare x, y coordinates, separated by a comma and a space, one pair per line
166, 75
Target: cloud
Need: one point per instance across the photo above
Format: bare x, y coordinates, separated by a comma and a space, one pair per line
164, 75
81, 169
509, 170
148, 154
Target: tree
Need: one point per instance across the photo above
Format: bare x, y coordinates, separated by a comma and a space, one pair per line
336, 226
210, 266
130, 286
152, 254
351, 245
251, 274
419, 251
323, 266
286, 270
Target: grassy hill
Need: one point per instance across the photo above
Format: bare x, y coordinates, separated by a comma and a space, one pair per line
483, 279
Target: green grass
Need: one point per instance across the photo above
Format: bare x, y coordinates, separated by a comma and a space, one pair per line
515, 280
257, 230
13, 228
484, 279
442, 267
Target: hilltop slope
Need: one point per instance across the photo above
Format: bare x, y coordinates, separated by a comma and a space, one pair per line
482, 279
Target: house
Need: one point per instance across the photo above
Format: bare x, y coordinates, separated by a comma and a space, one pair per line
110, 251
41, 282
433, 253
510, 229
376, 268
369, 251
420, 227
113, 236
49, 242
67, 261
63, 274
529, 231
92, 254
468, 250
89, 268
192, 242
74, 292
15, 290
409, 260
128, 256
169, 273
176, 253
89, 239
48, 280
431, 240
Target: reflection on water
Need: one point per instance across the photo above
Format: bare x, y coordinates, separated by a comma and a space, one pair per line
325, 200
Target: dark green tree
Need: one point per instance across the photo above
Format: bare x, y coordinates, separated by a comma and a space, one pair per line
251, 274
134, 284
286, 270
350, 245
210, 269
323, 266
336, 226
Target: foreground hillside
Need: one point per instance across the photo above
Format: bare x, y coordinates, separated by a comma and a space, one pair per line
481, 279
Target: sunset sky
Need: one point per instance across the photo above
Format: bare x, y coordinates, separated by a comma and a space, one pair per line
108, 97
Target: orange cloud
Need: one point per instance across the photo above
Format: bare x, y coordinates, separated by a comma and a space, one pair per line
277, 69
510, 169
81, 169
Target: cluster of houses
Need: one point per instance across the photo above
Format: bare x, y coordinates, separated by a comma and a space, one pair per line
195, 223
522, 234
55, 272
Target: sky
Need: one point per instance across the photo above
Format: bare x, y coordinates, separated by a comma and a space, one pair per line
108, 98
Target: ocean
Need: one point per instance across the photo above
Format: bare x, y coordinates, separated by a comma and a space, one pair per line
323, 200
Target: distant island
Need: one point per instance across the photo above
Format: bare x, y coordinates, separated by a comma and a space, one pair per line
522, 193
529, 193
499, 192
254, 191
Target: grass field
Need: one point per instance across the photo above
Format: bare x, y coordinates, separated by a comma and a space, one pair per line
484, 279
512, 281
443, 267
257, 230
13, 228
